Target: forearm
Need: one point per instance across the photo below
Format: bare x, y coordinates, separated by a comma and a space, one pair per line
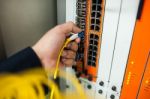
25, 59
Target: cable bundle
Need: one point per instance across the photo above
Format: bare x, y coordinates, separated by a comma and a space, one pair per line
29, 85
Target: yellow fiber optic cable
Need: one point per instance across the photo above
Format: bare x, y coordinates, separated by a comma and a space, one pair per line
73, 37
58, 60
20, 86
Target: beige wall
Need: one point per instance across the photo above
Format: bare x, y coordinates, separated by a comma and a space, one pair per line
2, 50
61, 11
23, 22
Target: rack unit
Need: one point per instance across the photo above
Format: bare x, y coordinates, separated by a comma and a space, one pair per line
136, 80
90, 14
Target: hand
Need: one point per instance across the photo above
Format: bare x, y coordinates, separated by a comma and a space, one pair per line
49, 46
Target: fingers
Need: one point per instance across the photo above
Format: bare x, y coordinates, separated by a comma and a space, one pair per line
68, 62
68, 27
68, 54
72, 46
68, 57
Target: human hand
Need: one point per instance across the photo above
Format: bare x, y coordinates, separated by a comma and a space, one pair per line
49, 46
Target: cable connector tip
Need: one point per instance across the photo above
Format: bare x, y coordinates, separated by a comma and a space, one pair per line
81, 35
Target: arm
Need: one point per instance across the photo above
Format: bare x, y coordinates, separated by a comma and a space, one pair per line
22, 60
45, 51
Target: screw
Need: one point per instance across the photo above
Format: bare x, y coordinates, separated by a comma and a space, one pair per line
89, 86
101, 83
112, 96
100, 91
114, 88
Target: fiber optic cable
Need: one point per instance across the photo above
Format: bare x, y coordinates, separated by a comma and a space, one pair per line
71, 38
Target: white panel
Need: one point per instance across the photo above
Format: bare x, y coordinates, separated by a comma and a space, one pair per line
70, 16
123, 41
111, 95
99, 96
68, 83
70, 10
90, 92
61, 11
111, 18
100, 90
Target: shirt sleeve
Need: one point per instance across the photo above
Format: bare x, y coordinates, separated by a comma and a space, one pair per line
25, 59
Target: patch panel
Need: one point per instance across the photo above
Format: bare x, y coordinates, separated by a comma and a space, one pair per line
93, 34
89, 49
81, 22
92, 52
96, 14
81, 8
104, 64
